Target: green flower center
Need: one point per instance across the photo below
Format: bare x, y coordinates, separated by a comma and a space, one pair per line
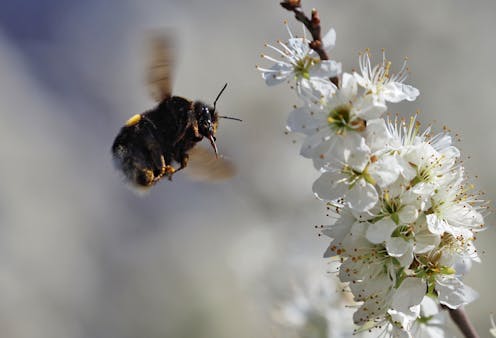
339, 119
354, 175
302, 66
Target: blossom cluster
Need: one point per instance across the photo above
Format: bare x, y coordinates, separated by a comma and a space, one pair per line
316, 308
403, 214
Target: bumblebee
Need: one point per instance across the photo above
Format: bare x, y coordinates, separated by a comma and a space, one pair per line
159, 142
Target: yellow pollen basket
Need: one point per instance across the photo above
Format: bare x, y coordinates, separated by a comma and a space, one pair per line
133, 120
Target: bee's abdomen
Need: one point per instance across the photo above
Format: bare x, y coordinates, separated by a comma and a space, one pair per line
132, 154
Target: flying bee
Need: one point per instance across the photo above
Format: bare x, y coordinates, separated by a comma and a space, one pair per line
149, 144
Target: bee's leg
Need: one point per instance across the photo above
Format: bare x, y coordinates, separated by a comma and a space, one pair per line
161, 164
183, 160
196, 131
167, 168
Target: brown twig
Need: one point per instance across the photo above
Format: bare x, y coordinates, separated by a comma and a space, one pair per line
313, 26
459, 316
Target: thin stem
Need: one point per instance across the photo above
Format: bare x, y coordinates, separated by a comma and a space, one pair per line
459, 316
313, 26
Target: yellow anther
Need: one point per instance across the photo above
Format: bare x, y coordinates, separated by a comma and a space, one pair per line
133, 120
386, 70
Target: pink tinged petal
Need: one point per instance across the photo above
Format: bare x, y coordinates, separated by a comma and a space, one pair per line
436, 225
453, 293
329, 39
305, 120
362, 197
410, 293
380, 231
328, 186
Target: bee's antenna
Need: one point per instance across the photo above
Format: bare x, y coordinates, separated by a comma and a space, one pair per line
215, 102
217, 98
230, 118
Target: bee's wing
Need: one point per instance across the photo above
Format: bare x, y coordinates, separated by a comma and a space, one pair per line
160, 65
204, 166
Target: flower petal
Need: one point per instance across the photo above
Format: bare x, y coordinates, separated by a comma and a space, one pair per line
453, 293
362, 197
305, 120
329, 39
381, 230
410, 293
328, 187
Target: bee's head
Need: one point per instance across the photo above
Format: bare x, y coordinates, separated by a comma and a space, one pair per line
208, 119
207, 122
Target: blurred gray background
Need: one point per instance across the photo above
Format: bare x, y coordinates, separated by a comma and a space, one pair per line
81, 255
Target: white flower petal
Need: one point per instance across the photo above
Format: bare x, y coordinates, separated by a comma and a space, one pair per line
381, 230
385, 170
368, 108
377, 134
453, 293
348, 86
362, 197
328, 187
311, 142
305, 120
408, 214
329, 39
410, 293
425, 242
326, 69
277, 74
397, 246
436, 226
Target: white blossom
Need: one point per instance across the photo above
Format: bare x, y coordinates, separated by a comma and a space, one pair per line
382, 85
297, 61
402, 215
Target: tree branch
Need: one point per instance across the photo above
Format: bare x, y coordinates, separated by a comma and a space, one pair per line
459, 316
